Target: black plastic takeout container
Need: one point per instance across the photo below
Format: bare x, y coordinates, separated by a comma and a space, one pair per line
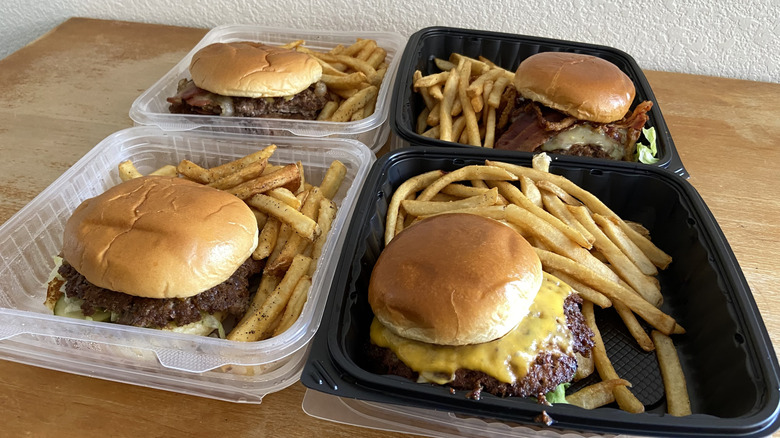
507, 50
727, 357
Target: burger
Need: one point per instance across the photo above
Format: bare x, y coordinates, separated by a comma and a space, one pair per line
461, 300
158, 252
574, 104
249, 79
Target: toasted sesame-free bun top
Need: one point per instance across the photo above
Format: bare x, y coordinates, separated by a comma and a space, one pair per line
159, 237
454, 279
249, 69
583, 86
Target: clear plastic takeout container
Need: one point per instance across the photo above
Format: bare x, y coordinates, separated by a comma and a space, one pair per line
151, 107
203, 366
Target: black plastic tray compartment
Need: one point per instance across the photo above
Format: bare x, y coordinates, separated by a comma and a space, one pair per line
507, 50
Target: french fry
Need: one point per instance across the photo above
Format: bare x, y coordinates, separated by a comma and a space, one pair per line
529, 189
422, 121
241, 175
267, 239
267, 284
410, 186
557, 191
613, 290
450, 94
286, 196
596, 395
627, 270
127, 171
584, 290
353, 80
256, 324
333, 178
167, 170
621, 240
463, 191
626, 400
633, 326
220, 171
463, 174
288, 177
677, 401
294, 305
444, 64
585, 366
541, 162
432, 79
295, 243
354, 103
327, 111
325, 218
557, 208
472, 129
494, 99
194, 172
425, 208
303, 225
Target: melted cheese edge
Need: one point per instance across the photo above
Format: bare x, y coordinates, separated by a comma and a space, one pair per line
582, 134
506, 359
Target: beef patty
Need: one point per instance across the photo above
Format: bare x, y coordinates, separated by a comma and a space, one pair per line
305, 105
230, 297
546, 372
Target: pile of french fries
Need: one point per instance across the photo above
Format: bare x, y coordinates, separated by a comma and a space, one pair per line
608, 261
294, 219
353, 75
463, 100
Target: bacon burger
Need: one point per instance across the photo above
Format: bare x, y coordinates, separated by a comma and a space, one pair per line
461, 300
248, 79
159, 252
574, 104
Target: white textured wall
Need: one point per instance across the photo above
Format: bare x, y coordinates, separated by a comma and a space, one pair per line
729, 38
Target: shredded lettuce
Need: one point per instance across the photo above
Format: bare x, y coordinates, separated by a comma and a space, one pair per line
71, 307
647, 153
558, 395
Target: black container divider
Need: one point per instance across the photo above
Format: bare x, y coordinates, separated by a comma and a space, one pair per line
508, 50
727, 356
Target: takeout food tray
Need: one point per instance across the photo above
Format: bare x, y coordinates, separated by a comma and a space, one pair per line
151, 107
727, 357
204, 366
507, 51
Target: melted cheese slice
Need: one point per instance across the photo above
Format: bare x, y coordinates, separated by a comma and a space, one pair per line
506, 359
582, 134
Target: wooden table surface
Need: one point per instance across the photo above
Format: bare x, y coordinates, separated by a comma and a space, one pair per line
65, 92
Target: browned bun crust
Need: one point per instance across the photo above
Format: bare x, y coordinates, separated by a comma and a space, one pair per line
248, 69
159, 237
455, 279
584, 86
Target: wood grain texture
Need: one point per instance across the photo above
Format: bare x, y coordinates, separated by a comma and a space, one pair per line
64, 93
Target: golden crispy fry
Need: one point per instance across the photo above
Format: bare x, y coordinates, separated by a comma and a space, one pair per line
333, 178
286, 196
464, 174
218, 172
619, 238
463, 191
292, 44
584, 290
267, 284
267, 239
241, 175
354, 103
376, 59
613, 290
194, 172
288, 177
255, 325
596, 395
305, 226
327, 111
352, 80
472, 129
557, 191
450, 94
477, 67
434, 116
432, 79
477, 86
127, 171
626, 400
585, 366
620, 263
490, 129
296, 243
355, 48
541, 162
634, 327
325, 218
557, 208
167, 170
425, 208
677, 401
494, 99
294, 305
407, 188
444, 64
422, 121
260, 217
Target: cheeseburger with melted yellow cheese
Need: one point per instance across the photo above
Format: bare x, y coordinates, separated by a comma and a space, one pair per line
461, 300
